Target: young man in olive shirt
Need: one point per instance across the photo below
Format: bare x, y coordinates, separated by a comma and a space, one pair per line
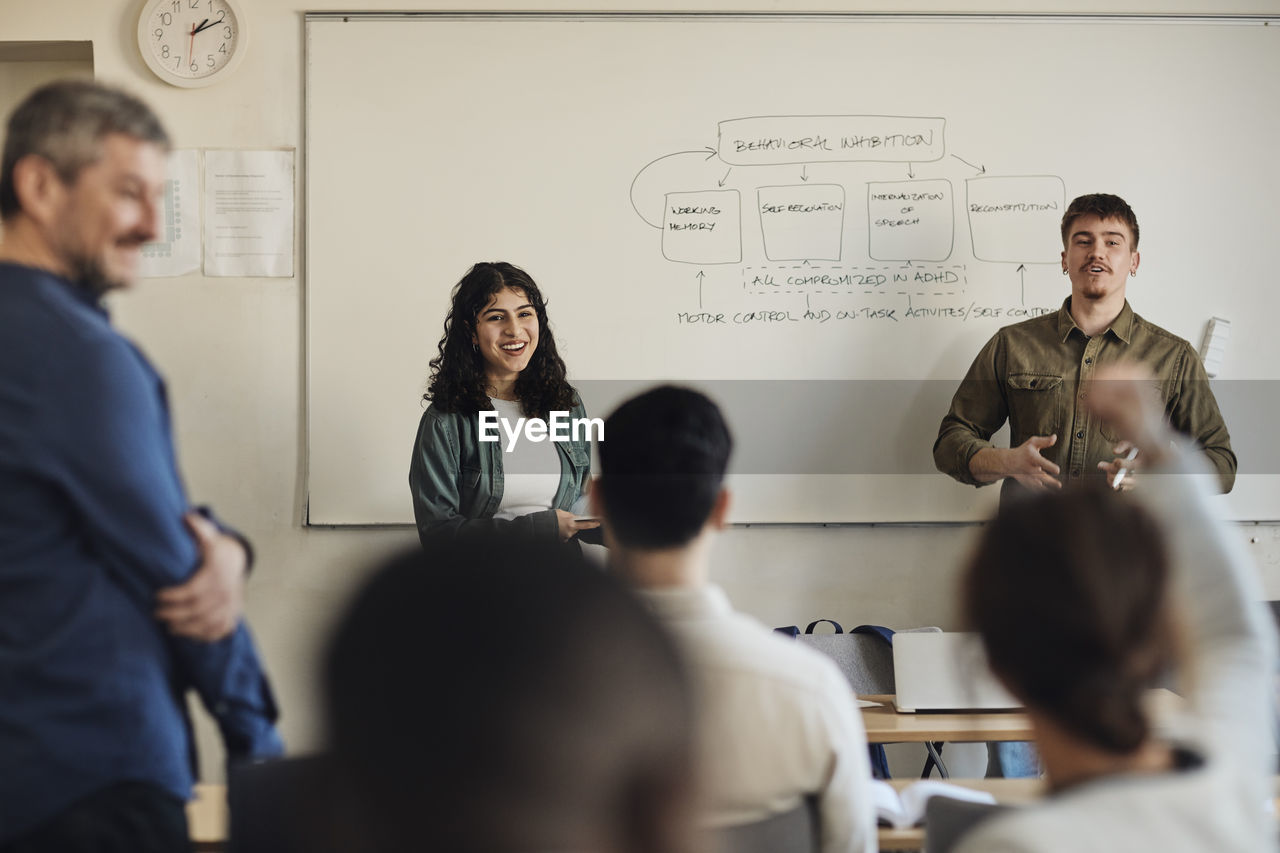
1032, 373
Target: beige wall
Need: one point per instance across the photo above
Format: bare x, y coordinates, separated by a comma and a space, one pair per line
232, 351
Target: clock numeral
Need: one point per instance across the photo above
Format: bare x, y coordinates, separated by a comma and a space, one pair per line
166, 19
222, 13
226, 32
177, 63
222, 48
194, 4
158, 33
164, 51
177, 5
211, 62
194, 67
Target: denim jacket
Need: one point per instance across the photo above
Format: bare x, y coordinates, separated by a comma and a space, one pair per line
456, 480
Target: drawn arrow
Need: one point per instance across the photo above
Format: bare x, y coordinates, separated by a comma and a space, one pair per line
910, 174
1022, 276
701, 276
982, 170
706, 153
803, 175
726, 176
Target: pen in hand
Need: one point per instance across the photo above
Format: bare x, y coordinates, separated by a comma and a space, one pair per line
1129, 457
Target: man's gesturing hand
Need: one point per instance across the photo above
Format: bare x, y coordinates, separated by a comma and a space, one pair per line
208, 606
1023, 463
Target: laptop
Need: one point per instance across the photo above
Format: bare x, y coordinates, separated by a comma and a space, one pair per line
945, 671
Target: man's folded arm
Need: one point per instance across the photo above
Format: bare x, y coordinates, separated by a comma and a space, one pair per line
107, 439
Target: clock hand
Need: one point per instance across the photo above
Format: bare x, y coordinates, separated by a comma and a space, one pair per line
191, 45
204, 25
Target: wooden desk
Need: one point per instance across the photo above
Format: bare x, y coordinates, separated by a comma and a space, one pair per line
207, 813
1006, 791
207, 817
886, 725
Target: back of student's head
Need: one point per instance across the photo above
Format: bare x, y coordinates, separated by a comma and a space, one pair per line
662, 463
1070, 593
498, 698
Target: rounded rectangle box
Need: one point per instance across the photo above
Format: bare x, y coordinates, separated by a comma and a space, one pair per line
703, 227
1015, 219
801, 221
910, 220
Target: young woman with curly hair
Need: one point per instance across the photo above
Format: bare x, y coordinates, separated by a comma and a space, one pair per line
497, 354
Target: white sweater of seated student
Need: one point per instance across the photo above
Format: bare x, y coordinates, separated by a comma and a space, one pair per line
776, 722
1217, 799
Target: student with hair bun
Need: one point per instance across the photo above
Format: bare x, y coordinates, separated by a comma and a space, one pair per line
1085, 599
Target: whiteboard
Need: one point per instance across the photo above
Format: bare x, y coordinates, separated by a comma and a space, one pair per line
818, 218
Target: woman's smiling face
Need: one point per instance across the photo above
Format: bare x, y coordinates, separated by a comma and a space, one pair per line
507, 334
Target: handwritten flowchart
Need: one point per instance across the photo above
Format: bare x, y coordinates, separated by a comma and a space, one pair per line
706, 203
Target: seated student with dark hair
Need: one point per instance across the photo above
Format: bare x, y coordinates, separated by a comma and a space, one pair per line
777, 721
498, 697
1084, 599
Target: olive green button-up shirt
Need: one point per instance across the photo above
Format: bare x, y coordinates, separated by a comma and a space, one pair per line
1032, 375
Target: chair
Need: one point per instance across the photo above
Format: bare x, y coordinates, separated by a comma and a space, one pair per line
947, 820
273, 805
795, 831
866, 660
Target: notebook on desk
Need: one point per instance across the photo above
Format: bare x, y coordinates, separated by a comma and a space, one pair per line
945, 671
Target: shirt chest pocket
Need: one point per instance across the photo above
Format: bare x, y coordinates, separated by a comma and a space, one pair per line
1035, 404
471, 497
579, 464
579, 458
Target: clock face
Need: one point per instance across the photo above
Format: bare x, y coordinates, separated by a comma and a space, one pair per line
190, 42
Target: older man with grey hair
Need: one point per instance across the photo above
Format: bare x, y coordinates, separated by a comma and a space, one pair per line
115, 596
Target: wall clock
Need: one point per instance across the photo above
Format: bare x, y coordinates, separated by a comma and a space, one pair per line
191, 42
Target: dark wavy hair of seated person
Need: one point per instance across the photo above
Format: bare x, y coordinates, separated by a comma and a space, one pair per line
457, 382
494, 697
1070, 592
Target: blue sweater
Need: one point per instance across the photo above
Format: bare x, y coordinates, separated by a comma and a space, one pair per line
91, 685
